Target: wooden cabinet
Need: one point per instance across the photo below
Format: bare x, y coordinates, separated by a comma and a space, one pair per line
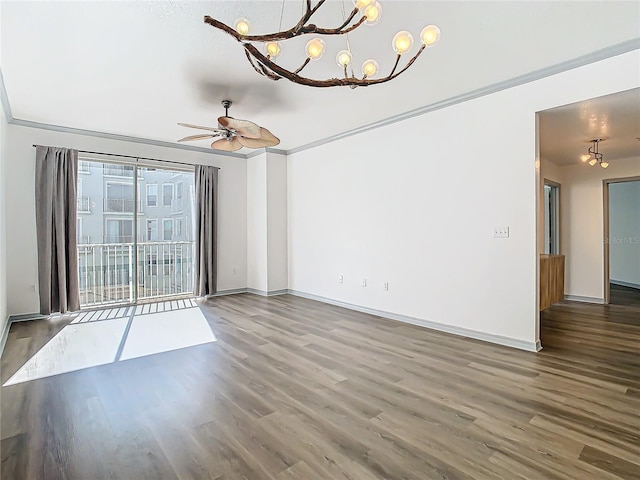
551, 280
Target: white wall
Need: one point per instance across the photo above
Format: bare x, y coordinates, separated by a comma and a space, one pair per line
414, 204
582, 224
20, 218
277, 222
267, 222
3, 216
624, 233
257, 223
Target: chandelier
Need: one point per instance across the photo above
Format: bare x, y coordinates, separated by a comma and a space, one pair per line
367, 12
594, 156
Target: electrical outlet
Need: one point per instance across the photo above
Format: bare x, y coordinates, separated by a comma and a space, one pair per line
386, 286
501, 232
364, 282
340, 279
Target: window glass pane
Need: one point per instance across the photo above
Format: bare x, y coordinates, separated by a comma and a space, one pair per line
167, 195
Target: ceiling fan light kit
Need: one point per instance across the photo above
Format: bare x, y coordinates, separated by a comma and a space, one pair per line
365, 12
593, 156
235, 133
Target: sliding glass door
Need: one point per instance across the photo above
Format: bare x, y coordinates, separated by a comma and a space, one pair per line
135, 232
165, 233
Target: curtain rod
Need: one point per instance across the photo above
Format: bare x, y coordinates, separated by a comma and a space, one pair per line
137, 158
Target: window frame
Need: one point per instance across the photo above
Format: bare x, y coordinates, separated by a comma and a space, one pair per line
552, 241
164, 230
147, 186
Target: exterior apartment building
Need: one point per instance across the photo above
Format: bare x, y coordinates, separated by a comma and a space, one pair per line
107, 227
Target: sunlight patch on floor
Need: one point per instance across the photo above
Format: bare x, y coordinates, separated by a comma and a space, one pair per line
75, 347
166, 331
101, 337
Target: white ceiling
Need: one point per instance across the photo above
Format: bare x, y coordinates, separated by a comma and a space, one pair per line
137, 68
565, 131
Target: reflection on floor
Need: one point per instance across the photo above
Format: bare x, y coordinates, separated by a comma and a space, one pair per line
104, 336
624, 295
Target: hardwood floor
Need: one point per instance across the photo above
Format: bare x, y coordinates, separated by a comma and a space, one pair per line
296, 389
620, 295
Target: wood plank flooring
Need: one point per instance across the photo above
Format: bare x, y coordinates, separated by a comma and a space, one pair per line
620, 295
296, 389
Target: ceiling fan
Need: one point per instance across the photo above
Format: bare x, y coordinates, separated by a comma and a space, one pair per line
235, 133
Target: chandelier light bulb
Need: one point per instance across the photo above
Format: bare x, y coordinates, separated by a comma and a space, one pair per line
360, 4
272, 49
315, 48
402, 42
370, 68
373, 12
242, 26
604, 164
430, 35
585, 158
593, 162
343, 58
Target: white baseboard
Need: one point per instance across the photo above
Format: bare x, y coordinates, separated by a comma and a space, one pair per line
13, 319
228, 292
460, 331
583, 299
441, 327
624, 284
271, 293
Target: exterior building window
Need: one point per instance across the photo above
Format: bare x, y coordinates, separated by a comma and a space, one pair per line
178, 225
167, 194
119, 198
179, 187
152, 195
83, 166
167, 229
119, 231
152, 230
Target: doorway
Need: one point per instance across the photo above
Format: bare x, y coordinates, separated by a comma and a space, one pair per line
136, 241
622, 241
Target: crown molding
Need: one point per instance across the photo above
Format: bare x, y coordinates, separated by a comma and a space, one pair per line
121, 138
596, 56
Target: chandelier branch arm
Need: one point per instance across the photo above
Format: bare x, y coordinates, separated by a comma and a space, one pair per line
337, 31
333, 82
349, 18
304, 64
284, 35
309, 12
262, 70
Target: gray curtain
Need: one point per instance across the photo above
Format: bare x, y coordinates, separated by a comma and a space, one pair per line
206, 230
56, 206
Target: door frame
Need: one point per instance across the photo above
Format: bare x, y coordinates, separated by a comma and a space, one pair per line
546, 181
605, 230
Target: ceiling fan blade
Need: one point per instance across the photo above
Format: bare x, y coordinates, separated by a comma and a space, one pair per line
227, 145
198, 137
243, 127
267, 139
198, 126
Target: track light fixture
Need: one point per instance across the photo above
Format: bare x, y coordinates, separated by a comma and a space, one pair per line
593, 156
367, 12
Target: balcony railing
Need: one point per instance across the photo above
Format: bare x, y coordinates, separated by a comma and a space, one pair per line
120, 170
121, 205
106, 271
83, 205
